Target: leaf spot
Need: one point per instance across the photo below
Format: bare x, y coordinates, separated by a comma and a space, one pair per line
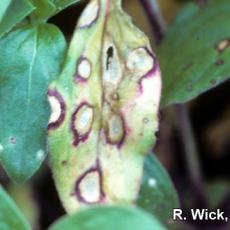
145, 120
152, 182
221, 46
219, 62
112, 68
115, 130
1, 148
139, 60
89, 186
57, 109
40, 155
213, 82
115, 96
12, 140
81, 122
84, 69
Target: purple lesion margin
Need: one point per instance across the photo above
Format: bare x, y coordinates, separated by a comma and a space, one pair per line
78, 78
94, 20
57, 95
96, 168
152, 71
78, 137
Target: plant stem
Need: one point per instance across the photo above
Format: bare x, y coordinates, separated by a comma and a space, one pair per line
191, 153
156, 20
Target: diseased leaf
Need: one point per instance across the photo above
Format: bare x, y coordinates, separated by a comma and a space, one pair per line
109, 218
30, 58
10, 216
157, 194
12, 12
195, 54
104, 109
44, 9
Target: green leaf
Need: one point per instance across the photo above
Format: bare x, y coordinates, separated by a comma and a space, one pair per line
61, 4
3, 7
30, 59
44, 10
10, 216
12, 12
47, 8
157, 194
109, 218
195, 54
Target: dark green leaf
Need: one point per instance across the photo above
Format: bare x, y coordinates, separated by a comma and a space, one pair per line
216, 192
30, 59
109, 218
195, 54
12, 12
44, 9
10, 216
61, 4
157, 194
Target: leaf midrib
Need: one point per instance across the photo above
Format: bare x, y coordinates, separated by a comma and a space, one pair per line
30, 76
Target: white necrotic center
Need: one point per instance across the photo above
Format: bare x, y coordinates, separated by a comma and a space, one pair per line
152, 182
84, 69
84, 119
40, 154
90, 187
140, 60
55, 109
115, 129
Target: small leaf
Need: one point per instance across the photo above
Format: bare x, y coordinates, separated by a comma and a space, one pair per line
157, 194
30, 58
10, 216
12, 12
61, 4
195, 54
44, 10
109, 218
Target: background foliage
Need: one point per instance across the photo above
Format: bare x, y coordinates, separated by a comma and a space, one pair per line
32, 53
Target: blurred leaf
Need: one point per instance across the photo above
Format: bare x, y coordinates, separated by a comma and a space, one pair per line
3, 7
216, 192
109, 218
22, 195
30, 58
169, 9
44, 9
157, 194
61, 4
12, 12
11, 217
195, 54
